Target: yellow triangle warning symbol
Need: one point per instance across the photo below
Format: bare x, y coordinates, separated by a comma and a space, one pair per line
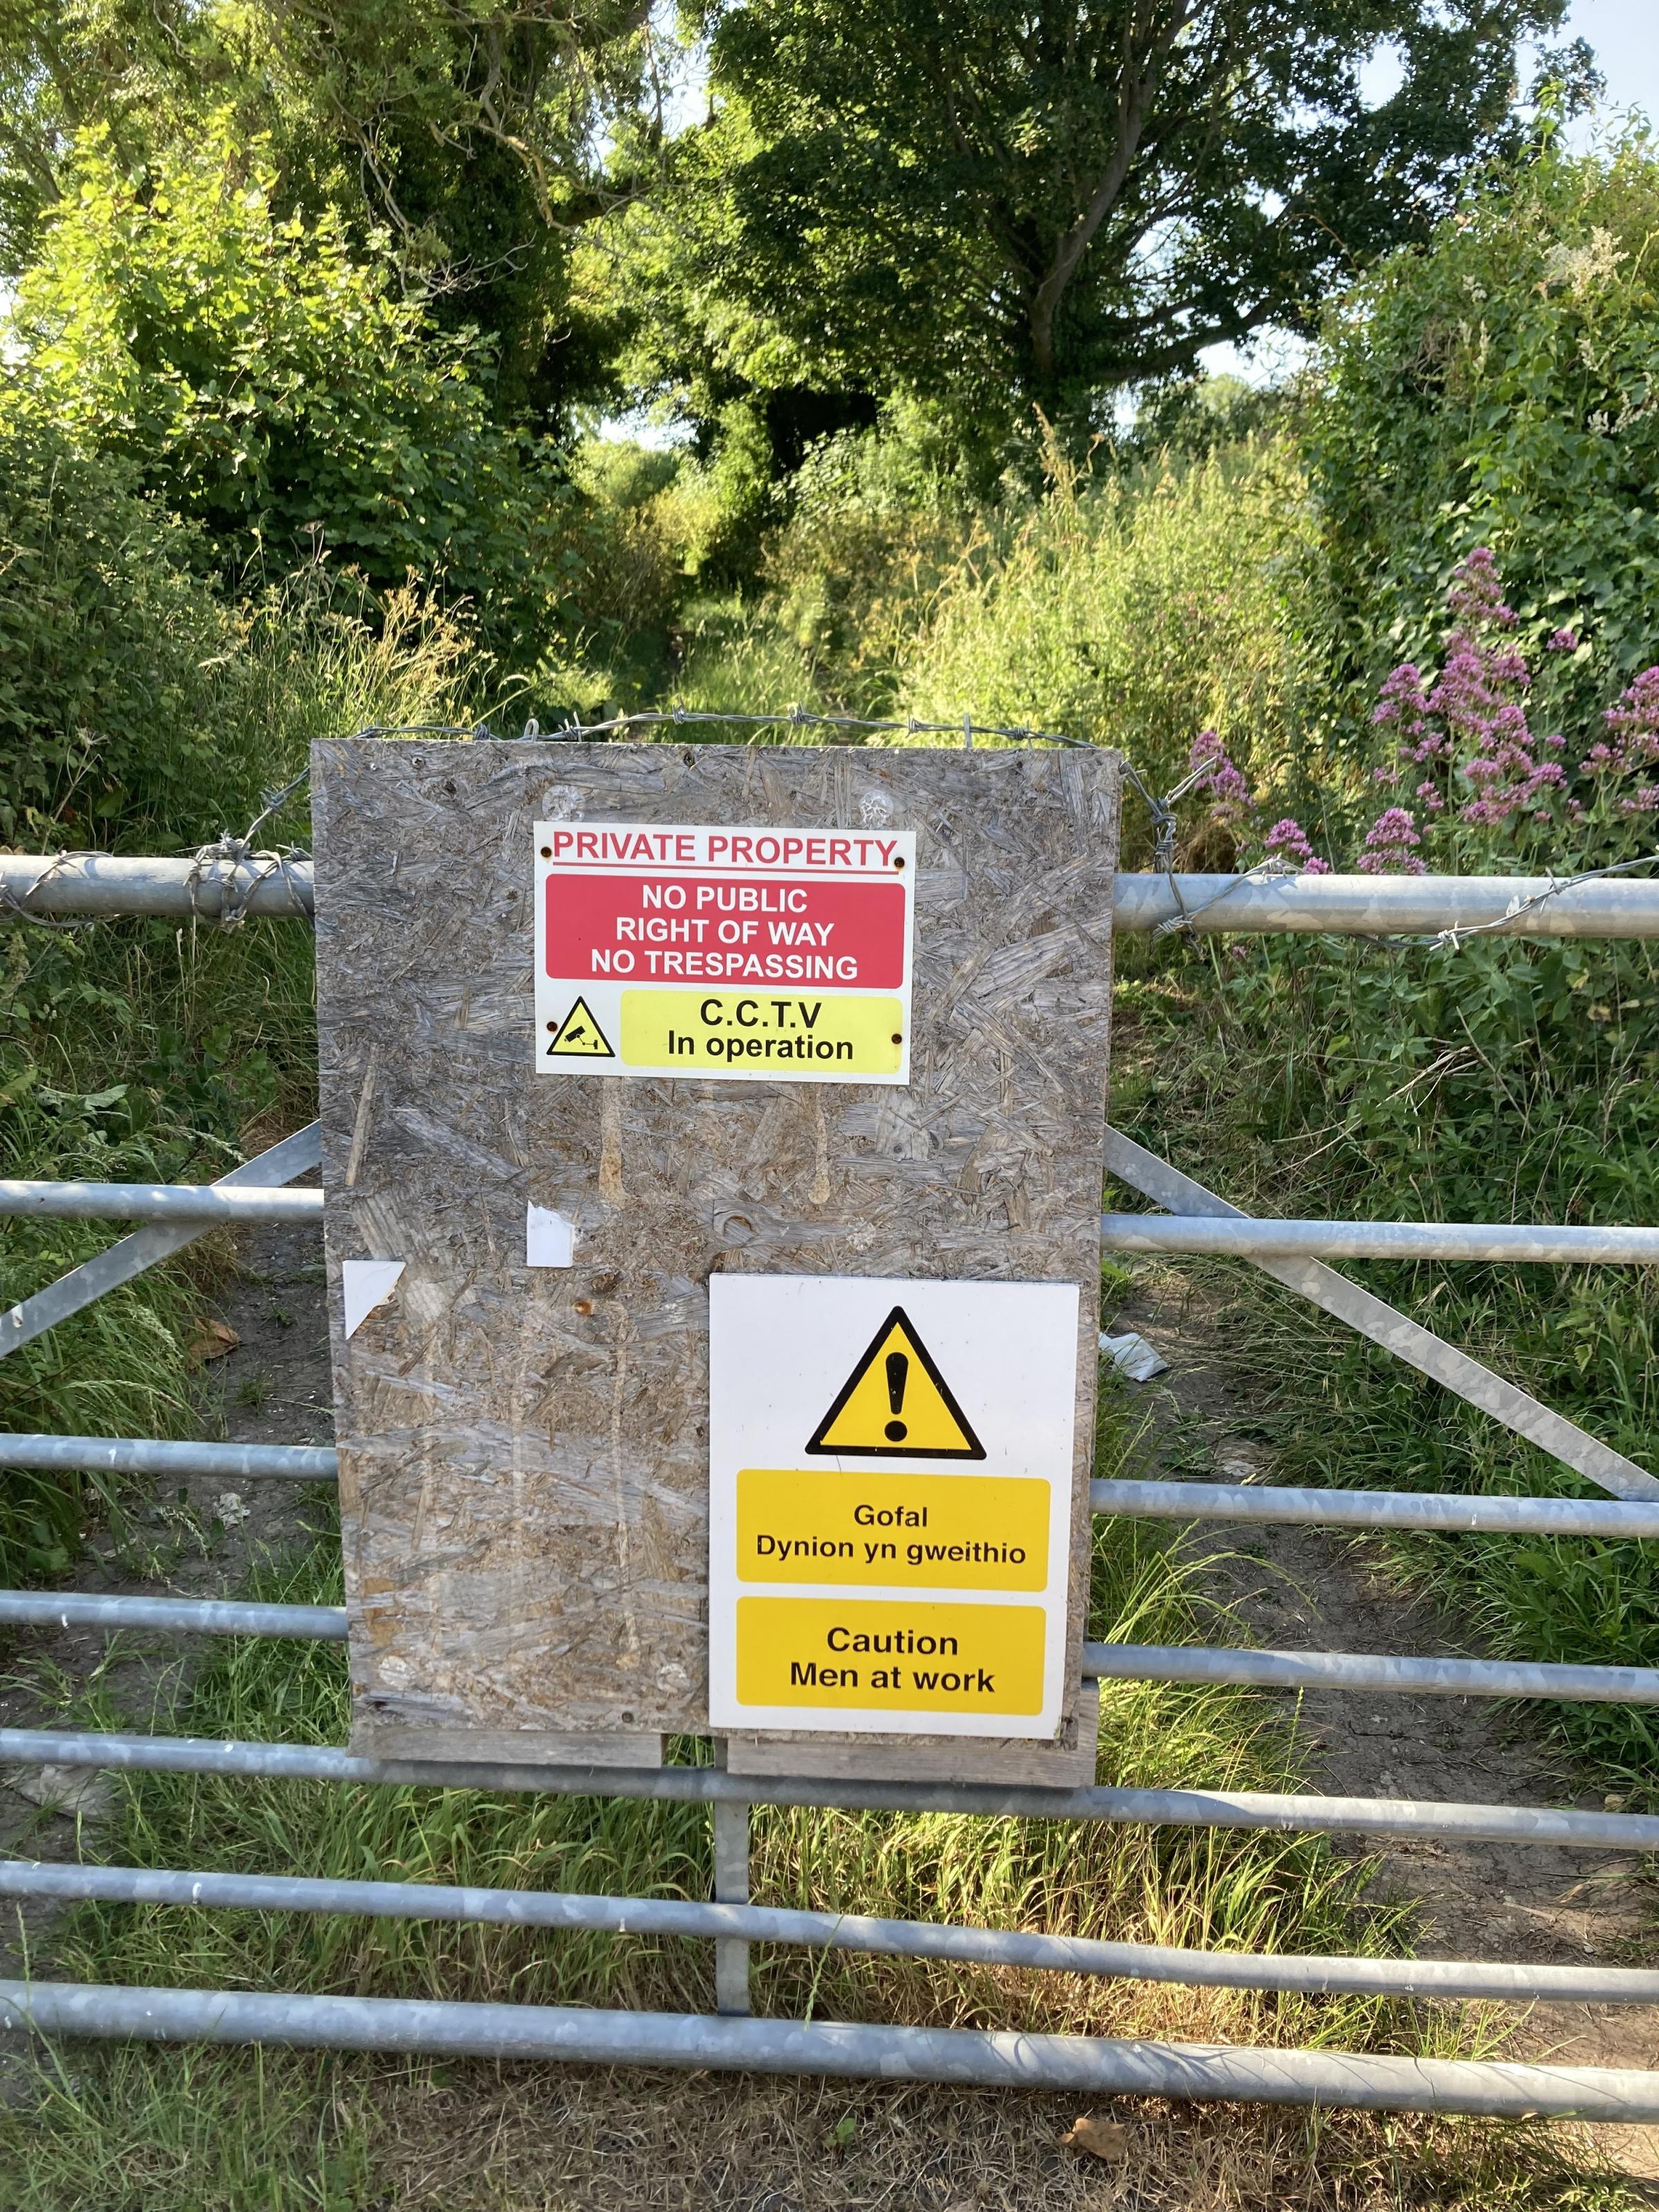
896, 1405
581, 1035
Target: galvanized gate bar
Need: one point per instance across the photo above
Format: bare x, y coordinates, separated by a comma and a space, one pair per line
1270, 1810
1333, 905
152, 1455
295, 1156
206, 1202
1376, 1509
961, 2056
731, 1842
736, 1926
1370, 1670
193, 1616
1155, 1501
1131, 1662
1240, 1237
112, 884
1369, 1317
1387, 906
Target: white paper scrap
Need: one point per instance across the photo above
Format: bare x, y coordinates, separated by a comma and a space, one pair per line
366, 1284
549, 1239
1133, 1356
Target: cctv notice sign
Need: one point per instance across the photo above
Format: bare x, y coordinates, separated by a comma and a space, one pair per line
890, 1503
784, 954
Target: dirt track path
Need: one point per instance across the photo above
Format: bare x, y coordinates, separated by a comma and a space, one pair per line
1302, 1590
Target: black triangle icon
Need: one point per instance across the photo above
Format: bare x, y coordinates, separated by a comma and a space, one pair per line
580, 1036
896, 1405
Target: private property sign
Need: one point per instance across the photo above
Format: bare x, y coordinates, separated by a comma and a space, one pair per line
736, 953
890, 1521
889, 973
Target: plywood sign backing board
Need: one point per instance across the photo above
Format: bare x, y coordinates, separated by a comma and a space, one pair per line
523, 1418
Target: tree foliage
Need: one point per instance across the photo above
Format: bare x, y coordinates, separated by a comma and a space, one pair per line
108, 634
1502, 388
265, 381
479, 136
1007, 204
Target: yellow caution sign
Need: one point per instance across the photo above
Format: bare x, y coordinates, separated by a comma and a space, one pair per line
925, 1531
878, 1654
580, 1036
896, 1405
771, 1033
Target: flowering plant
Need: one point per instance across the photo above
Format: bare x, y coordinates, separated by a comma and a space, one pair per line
1234, 808
1474, 778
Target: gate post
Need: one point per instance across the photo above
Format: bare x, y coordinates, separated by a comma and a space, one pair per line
731, 1887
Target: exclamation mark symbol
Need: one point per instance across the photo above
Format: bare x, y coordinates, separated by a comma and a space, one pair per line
898, 1371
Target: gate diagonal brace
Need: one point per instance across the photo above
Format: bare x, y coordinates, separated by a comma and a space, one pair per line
1384, 1324
129, 1255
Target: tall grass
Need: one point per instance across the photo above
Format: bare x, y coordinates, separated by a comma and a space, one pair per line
1129, 608
1224, 1890
1135, 611
136, 1051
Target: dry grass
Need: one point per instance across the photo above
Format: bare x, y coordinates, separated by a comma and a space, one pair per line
533, 2140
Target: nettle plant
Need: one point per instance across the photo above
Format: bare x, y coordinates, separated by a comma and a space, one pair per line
1479, 786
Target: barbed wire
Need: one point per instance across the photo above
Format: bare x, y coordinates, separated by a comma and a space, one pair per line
801, 717
237, 868
1455, 937
234, 865
12, 904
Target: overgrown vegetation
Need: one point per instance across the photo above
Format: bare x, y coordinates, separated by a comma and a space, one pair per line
94, 2136
314, 322
138, 1051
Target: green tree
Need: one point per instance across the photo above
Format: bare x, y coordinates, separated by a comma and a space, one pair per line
1502, 389
1035, 202
257, 376
481, 136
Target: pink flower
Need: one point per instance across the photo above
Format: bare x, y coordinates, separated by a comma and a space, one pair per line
1288, 841
1402, 698
1562, 641
1633, 724
1231, 796
1390, 844
1475, 596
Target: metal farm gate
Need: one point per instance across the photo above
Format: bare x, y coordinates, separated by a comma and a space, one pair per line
228, 882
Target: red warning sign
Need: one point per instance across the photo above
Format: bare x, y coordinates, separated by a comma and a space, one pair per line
661, 926
704, 951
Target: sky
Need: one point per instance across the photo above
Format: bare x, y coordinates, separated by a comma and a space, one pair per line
1624, 37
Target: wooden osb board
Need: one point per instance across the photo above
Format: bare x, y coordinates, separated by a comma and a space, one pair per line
524, 1453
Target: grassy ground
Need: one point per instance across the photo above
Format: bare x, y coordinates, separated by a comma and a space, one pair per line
229, 2132
1262, 1089
133, 1053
